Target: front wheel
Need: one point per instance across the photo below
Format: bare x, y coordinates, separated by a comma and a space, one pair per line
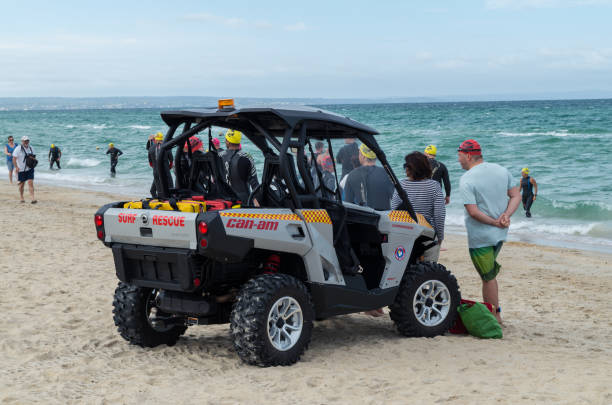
271, 322
427, 300
134, 309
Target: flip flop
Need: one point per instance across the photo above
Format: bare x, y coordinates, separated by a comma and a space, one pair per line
34, 201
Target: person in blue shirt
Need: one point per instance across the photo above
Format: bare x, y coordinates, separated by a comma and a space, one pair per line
8, 151
490, 197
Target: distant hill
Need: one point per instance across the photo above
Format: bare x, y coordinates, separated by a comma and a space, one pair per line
163, 102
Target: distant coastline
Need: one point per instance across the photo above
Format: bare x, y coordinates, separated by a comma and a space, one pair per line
127, 102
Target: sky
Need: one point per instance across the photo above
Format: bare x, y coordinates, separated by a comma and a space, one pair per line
330, 49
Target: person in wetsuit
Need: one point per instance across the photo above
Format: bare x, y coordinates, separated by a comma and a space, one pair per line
369, 184
439, 172
348, 156
240, 172
529, 190
154, 154
55, 154
114, 157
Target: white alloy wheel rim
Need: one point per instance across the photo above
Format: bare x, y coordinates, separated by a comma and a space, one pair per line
431, 303
285, 322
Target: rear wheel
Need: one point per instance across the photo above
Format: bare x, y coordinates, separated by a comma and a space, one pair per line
134, 312
427, 300
271, 322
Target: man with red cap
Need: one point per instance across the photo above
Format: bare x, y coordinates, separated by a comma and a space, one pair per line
490, 197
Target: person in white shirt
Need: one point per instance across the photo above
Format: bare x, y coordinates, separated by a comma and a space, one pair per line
25, 172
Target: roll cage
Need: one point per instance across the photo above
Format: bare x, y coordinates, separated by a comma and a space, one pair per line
276, 132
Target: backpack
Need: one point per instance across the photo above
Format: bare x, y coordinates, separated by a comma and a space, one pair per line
29, 158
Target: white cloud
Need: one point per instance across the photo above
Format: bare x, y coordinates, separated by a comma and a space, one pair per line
207, 17
299, 26
579, 58
452, 64
423, 56
262, 24
522, 4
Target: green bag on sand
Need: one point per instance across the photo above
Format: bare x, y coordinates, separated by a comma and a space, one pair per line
479, 321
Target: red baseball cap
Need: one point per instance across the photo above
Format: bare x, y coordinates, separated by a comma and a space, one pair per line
471, 147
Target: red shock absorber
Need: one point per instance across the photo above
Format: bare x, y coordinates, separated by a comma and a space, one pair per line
272, 264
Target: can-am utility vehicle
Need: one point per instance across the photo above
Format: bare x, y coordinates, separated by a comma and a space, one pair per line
291, 253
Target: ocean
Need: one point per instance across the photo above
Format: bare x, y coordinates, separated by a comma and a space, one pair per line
566, 144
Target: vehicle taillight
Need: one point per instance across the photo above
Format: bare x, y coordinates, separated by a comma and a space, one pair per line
203, 243
203, 228
99, 221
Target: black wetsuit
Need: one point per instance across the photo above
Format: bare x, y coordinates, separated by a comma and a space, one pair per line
370, 186
348, 157
527, 190
54, 157
114, 158
154, 153
240, 172
439, 173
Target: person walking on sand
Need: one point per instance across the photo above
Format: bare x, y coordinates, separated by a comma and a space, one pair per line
55, 155
439, 172
489, 198
24, 160
114, 157
529, 189
8, 151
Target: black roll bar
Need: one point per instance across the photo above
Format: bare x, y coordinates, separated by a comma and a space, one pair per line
285, 169
163, 190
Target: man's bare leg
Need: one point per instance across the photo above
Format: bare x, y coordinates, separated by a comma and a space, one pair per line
21, 185
31, 189
490, 295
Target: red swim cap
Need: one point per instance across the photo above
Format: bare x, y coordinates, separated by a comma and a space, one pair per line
195, 143
471, 147
216, 142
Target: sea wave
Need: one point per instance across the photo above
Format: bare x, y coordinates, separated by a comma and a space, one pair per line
77, 163
139, 126
562, 133
584, 229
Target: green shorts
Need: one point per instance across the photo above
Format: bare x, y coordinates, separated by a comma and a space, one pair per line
484, 261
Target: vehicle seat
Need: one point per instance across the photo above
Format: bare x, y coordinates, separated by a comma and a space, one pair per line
207, 176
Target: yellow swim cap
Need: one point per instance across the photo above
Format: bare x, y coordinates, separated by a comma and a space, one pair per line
110, 145
367, 152
52, 145
431, 150
159, 136
233, 136
525, 170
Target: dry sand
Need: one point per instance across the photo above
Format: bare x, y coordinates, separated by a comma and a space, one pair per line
58, 343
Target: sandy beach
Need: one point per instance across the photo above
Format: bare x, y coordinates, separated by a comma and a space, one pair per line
58, 343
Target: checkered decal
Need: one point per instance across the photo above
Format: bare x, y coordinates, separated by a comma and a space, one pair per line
316, 216
403, 216
282, 217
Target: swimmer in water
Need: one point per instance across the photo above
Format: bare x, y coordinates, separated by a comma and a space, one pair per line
529, 189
